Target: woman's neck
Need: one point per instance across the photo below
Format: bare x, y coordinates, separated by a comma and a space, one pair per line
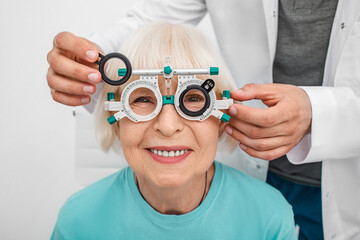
176, 200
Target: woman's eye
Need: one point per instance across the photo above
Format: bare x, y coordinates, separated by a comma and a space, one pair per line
194, 98
142, 100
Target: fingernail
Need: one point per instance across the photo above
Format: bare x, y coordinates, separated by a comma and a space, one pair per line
93, 77
55, 40
91, 54
232, 110
242, 146
85, 100
88, 89
228, 130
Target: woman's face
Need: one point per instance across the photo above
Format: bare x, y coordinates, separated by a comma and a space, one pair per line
190, 144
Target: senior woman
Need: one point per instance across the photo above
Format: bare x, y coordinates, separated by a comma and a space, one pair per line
173, 188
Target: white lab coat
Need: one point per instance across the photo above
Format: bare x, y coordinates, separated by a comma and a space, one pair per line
246, 32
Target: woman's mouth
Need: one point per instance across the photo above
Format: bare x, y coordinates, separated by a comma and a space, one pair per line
165, 153
169, 155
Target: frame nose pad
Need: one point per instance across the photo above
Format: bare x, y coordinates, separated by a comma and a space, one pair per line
168, 100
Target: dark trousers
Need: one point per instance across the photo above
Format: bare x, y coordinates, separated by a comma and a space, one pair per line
306, 203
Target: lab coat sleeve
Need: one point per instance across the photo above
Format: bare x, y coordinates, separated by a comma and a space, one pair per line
335, 128
174, 11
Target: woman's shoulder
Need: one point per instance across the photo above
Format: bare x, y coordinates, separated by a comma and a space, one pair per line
87, 210
259, 193
264, 206
93, 196
100, 186
246, 182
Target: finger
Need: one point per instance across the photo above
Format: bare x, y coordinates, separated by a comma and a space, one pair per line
81, 47
86, 63
69, 99
264, 92
266, 155
267, 117
256, 132
71, 69
70, 86
262, 144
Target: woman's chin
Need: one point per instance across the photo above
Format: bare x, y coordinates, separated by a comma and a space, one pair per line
169, 180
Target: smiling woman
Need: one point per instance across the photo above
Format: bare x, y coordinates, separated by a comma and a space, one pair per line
173, 188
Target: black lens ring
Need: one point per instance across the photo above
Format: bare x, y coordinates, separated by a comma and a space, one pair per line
202, 110
127, 65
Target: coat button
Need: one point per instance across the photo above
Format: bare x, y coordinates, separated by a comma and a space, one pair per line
342, 25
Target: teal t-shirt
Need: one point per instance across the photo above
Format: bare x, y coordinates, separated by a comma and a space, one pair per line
236, 207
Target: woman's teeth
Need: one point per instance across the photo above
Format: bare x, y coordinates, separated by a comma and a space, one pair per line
168, 153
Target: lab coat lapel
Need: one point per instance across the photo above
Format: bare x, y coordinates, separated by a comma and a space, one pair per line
271, 17
346, 15
347, 12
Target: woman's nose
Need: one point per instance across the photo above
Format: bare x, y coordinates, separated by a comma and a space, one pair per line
169, 122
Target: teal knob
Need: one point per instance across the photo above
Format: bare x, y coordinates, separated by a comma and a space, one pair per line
110, 96
112, 120
167, 70
122, 72
214, 71
225, 118
226, 94
169, 100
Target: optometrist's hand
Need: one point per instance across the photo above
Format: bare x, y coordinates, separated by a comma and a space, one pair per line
271, 132
72, 75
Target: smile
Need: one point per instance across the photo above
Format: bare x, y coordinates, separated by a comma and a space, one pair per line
169, 154
164, 153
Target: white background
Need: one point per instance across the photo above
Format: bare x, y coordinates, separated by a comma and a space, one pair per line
37, 135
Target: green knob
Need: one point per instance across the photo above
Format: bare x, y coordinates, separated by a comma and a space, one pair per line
226, 94
122, 71
167, 70
225, 118
214, 71
167, 100
112, 120
110, 96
